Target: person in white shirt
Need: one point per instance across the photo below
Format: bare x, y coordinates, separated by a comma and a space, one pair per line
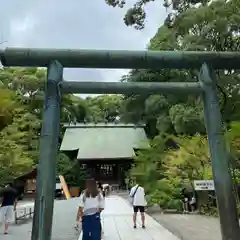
137, 194
91, 205
7, 205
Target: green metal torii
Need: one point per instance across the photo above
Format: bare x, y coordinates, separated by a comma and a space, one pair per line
56, 60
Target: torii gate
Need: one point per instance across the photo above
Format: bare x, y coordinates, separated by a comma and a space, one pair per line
55, 60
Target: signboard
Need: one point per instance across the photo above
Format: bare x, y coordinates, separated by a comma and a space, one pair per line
204, 185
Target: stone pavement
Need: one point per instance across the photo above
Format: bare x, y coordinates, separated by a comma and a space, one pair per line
190, 227
117, 223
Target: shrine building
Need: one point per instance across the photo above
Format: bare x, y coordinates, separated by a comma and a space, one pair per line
105, 150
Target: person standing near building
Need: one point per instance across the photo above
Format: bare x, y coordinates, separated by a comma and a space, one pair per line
185, 200
102, 191
91, 205
139, 203
8, 206
100, 188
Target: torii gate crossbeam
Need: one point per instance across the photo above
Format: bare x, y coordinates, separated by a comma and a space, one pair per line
56, 60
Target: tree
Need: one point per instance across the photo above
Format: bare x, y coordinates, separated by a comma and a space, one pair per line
105, 108
70, 169
208, 27
187, 119
233, 137
136, 15
7, 106
13, 160
18, 145
73, 109
21, 109
213, 27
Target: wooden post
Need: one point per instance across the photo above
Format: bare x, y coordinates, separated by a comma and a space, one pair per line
46, 177
65, 187
219, 157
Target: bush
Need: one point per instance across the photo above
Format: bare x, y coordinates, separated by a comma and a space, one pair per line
164, 172
208, 210
175, 204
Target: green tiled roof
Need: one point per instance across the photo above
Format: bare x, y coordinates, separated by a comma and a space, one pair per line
104, 141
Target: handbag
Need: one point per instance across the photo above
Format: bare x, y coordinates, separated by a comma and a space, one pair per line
132, 196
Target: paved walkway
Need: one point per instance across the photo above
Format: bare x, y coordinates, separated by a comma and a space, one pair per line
191, 227
117, 223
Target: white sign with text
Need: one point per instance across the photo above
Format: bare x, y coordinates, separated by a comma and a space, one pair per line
204, 185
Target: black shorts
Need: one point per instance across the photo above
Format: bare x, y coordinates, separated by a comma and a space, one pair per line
138, 209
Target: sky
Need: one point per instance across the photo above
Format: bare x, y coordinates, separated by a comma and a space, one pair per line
76, 24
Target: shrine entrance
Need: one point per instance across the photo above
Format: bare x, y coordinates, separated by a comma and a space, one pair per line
106, 172
206, 86
104, 150
111, 173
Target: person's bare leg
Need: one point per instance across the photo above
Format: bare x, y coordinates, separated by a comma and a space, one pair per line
186, 208
191, 207
6, 228
102, 232
135, 220
143, 219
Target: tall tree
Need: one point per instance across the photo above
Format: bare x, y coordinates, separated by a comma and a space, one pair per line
21, 109
206, 27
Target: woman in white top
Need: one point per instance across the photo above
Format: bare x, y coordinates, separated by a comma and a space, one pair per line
90, 207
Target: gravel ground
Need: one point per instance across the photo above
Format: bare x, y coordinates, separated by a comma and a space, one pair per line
190, 227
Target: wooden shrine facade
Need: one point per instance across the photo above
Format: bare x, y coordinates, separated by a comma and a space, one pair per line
105, 151
111, 171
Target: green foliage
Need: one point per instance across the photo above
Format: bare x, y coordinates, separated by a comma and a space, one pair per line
191, 161
7, 106
103, 108
13, 160
233, 137
164, 170
135, 16
179, 150
18, 128
207, 27
71, 171
21, 106
167, 194
195, 25
187, 119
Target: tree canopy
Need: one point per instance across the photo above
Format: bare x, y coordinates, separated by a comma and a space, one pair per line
206, 27
21, 106
198, 26
178, 152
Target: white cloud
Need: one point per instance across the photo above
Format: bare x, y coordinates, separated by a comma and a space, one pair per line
18, 26
20, 30
78, 24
